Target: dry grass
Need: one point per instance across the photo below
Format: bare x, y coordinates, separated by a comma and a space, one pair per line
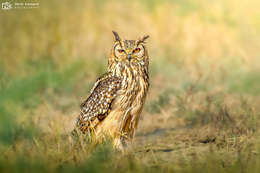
202, 112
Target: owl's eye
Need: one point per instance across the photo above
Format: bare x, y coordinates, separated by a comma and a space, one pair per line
136, 50
120, 50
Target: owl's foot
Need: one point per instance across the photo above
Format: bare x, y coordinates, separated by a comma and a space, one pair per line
118, 144
121, 144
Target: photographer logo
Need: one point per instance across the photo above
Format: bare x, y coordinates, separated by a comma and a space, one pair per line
6, 6
20, 5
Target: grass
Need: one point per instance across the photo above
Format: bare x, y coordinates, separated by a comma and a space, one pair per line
201, 114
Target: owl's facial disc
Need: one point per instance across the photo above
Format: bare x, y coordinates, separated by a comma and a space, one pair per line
128, 50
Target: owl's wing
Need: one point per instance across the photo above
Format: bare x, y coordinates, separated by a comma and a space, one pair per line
98, 104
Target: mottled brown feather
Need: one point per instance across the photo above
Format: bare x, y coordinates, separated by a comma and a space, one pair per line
97, 106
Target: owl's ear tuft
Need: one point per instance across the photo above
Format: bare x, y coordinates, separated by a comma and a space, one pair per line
117, 38
142, 40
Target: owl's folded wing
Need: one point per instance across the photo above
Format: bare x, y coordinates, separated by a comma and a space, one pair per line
98, 104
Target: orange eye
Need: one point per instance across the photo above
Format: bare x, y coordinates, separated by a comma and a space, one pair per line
137, 50
120, 50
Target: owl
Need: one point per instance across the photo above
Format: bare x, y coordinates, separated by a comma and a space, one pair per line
116, 101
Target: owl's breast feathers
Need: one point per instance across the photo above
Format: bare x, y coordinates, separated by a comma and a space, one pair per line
98, 105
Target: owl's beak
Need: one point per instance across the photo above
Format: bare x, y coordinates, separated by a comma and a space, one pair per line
129, 57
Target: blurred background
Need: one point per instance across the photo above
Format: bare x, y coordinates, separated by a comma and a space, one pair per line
204, 68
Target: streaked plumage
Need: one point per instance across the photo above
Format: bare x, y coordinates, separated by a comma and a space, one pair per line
117, 98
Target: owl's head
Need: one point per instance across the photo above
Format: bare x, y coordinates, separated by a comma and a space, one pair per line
129, 51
